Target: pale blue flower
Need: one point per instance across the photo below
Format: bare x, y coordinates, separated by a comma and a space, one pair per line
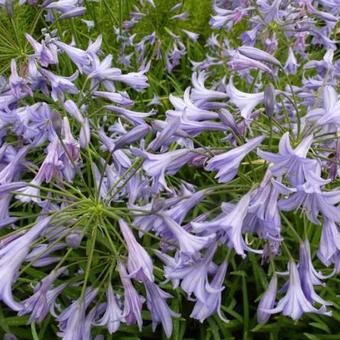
227, 164
295, 303
267, 301
160, 311
11, 257
113, 314
203, 309
139, 262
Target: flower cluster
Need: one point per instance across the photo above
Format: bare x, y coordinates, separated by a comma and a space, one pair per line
95, 194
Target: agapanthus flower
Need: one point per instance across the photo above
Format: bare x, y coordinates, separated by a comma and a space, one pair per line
189, 244
328, 114
246, 102
46, 55
72, 319
264, 205
226, 18
200, 94
293, 162
230, 225
270, 12
267, 301
312, 199
139, 262
68, 8
329, 248
259, 55
191, 35
132, 116
269, 99
227, 164
43, 299
203, 309
308, 274
11, 257
113, 314
240, 62
156, 165
160, 311
291, 63
19, 85
295, 303
116, 97
133, 302
9, 172
60, 84
8, 187
193, 275
81, 58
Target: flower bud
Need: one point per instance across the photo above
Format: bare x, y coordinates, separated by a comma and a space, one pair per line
269, 100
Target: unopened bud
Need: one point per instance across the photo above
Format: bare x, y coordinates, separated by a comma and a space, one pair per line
269, 100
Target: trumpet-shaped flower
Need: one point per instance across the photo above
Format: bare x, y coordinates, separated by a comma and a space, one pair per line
132, 300
160, 311
11, 257
267, 301
293, 162
246, 102
203, 309
139, 262
227, 164
295, 302
113, 314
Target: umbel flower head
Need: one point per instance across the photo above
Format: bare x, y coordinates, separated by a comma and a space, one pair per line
130, 196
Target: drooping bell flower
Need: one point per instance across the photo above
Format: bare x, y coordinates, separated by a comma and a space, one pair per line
71, 152
226, 18
134, 117
200, 94
67, 8
59, 84
113, 314
308, 275
116, 97
295, 303
39, 304
11, 257
240, 62
42, 53
189, 244
19, 85
139, 262
157, 165
269, 100
160, 311
329, 248
203, 309
270, 12
293, 162
267, 301
132, 300
193, 275
312, 199
328, 114
72, 319
49, 169
11, 169
81, 58
259, 55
